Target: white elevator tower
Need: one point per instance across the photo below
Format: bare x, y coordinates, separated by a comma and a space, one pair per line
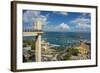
38, 29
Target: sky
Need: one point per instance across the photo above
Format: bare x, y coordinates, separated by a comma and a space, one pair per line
58, 21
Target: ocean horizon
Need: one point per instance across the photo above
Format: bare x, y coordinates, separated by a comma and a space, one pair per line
63, 38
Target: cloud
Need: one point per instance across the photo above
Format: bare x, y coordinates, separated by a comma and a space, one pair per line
30, 16
57, 28
61, 12
82, 22
63, 26
86, 15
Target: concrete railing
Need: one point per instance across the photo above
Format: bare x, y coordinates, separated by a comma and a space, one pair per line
31, 30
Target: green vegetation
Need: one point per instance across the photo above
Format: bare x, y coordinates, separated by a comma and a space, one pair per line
73, 51
59, 49
46, 51
67, 56
70, 52
26, 43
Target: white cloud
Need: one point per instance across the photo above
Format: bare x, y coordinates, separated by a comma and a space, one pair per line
30, 16
57, 28
82, 22
61, 12
86, 15
63, 26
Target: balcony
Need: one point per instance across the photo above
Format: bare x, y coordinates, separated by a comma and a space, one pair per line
31, 32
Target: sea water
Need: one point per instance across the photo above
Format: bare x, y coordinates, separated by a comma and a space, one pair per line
63, 38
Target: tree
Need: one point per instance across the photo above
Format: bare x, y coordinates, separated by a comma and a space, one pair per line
73, 51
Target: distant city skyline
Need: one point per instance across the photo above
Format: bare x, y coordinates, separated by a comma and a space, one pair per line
58, 21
